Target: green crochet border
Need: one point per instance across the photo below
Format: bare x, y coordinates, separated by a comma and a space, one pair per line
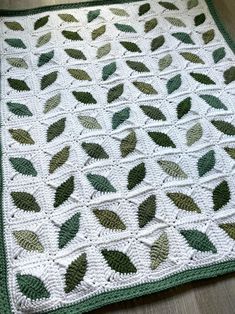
126, 293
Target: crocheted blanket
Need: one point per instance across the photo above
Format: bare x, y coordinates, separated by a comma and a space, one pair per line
117, 152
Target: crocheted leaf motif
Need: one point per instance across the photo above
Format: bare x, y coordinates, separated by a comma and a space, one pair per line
115, 92
206, 163
79, 74
183, 107
150, 25
144, 8
120, 117
229, 75
32, 287
230, 151
95, 150
157, 42
132, 47
52, 103
165, 62
194, 134
75, 54
174, 83
168, 5
45, 58
103, 51
159, 251
192, 57
68, 230
64, 191
89, 122
75, 273
199, 19
213, 101
15, 42
136, 175
161, 139
125, 28
71, 35
184, 202
69, 18
191, 4
48, 79
108, 70
23, 166
145, 88
98, 32
18, 85
55, 129
92, 15
221, 195
25, 201
229, 229
84, 97
208, 36
184, 38
119, 262
202, 78
17, 63
175, 21
119, 12
21, 136
44, 39
14, 26
137, 66
153, 113
41, 22
100, 183
173, 169
218, 54
128, 144
59, 159
146, 211
19, 110
28, 240
198, 240
109, 219
224, 127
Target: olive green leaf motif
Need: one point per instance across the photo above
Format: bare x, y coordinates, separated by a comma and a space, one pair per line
208, 36
192, 4
150, 25
168, 5
21, 136
100, 183
175, 21
84, 97
229, 75
43, 40
119, 12
161, 139
213, 101
69, 18
75, 54
95, 151
59, 159
153, 113
183, 201
198, 241
125, 28
17, 63
146, 211
194, 134
221, 195
183, 107
23, 166
174, 83
218, 54
103, 51
64, 191
224, 127
68, 230
41, 22
206, 163
132, 47
92, 15
19, 110
229, 228
159, 251
108, 70
144, 8
14, 26
28, 240
157, 43
119, 262
48, 79
165, 62
128, 144
115, 92
189, 56
74, 36
172, 169
52, 103
89, 122
137, 66
44, 58
230, 151
136, 175
183, 37
202, 78
79, 74
120, 117
15, 43
109, 219
25, 201
32, 287
145, 88
98, 32
55, 129
18, 85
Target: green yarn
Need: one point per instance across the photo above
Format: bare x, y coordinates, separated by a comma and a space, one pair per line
146, 211
64, 191
119, 262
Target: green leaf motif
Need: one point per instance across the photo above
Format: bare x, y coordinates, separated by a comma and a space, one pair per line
218, 54
161, 139
23, 166
199, 19
14, 26
55, 129
175, 21
95, 150
153, 113
174, 83
119, 12
98, 32
69, 18
109, 219
92, 15
52, 103
229, 229
125, 28
136, 175
145, 88
183, 107
45, 58
168, 5
137, 66
28, 240
59, 159
118, 261
103, 51
132, 47
68, 230
25, 201
192, 57
194, 134
159, 251
183, 201
48, 79
150, 25
75, 273
84, 97
64, 191
157, 43
120, 117
32, 287
224, 127
221, 195
41, 22
89, 122
100, 183
206, 163
128, 144
172, 169
15, 43
115, 92
230, 151
192, 4
208, 36
108, 70
184, 38
146, 211
18, 85
75, 54
79, 74
198, 241
43, 40
202, 78
213, 101
165, 62
71, 35
21, 136
229, 75
19, 110
144, 8
17, 63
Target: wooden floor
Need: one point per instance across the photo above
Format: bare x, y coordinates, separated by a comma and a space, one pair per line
214, 296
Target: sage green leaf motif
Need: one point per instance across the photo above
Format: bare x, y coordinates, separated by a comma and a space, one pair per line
213, 101
230, 151
64, 191
118, 261
199, 19
153, 112
108, 70
23, 166
145, 88
183, 107
191, 4
229, 75
136, 175
14, 26
221, 195
128, 144
84, 97
18, 85
161, 139
41, 22
75, 54
229, 228
109, 219
75, 273
28, 240
15, 43
168, 5
68, 230
174, 83
45, 58
137, 66
208, 36
218, 54
132, 47
71, 35
183, 201
206, 163
95, 150
59, 159
55, 129
150, 25
21, 136
194, 134
115, 92
43, 40
119, 12
173, 169
202, 78
89, 122
120, 117
19, 110
98, 32
25, 201
198, 241
175, 21
100, 183
146, 211
17, 63
79, 74
144, 8
32, 287
192, 57
92, 15
69, 18
184, 38
125, 28
48, 79
157, 43
52, 103
103, 51
224, 127
165, 62
159, 251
